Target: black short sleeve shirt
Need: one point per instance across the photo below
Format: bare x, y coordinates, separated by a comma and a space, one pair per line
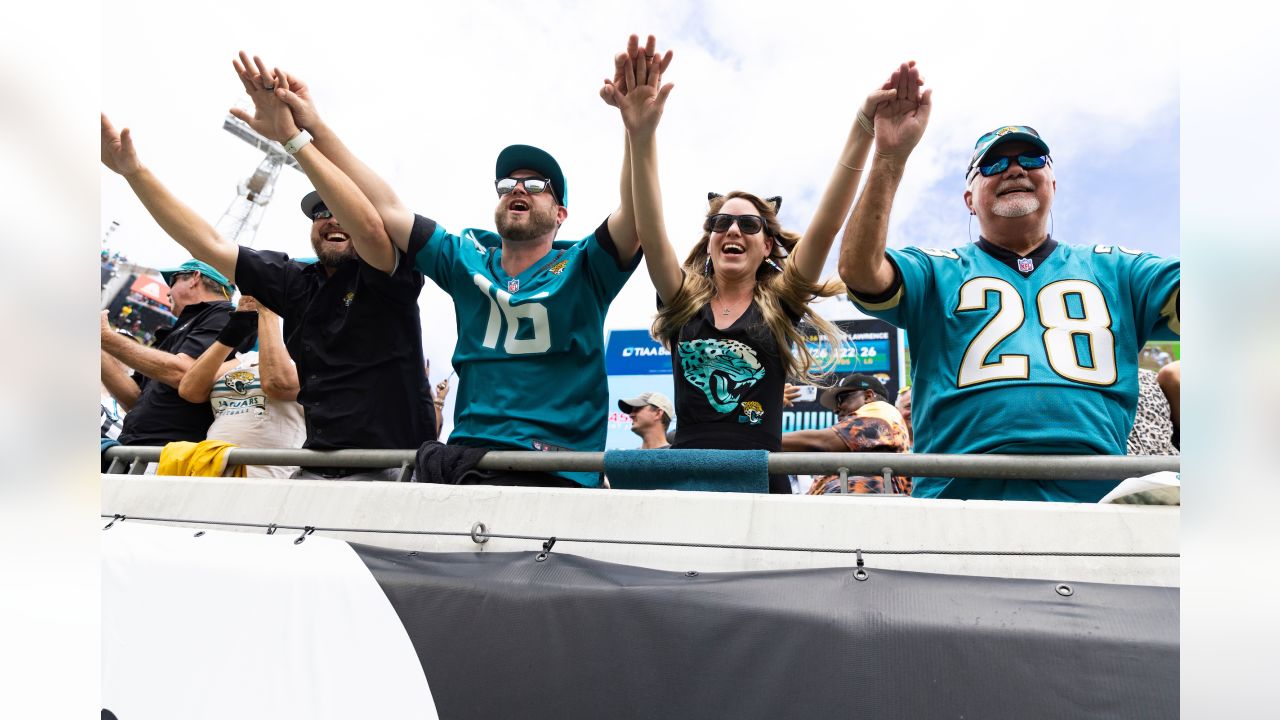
161, 415
356, 337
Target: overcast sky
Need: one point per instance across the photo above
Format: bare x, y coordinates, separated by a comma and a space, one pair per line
428, 93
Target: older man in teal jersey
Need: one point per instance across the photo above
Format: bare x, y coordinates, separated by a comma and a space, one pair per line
1019, 344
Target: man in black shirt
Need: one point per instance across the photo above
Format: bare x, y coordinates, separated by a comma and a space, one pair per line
353, 330
157, 415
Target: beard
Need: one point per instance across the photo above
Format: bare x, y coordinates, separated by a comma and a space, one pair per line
329, 256
1015, 206
536, 224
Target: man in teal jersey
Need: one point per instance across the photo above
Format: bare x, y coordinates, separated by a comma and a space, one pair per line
1019, 345
530, 309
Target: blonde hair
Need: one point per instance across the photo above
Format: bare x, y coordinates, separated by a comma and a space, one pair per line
779, 295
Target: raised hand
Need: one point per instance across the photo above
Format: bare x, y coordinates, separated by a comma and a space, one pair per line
117, 150
293, 92
614, 89
643, 95
247, 304
886, 92
900, 120
272, 117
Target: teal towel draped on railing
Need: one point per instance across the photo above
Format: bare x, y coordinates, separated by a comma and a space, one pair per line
708, 470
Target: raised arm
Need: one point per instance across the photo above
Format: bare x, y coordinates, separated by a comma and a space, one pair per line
622, 222
353, 210
173, 216
276, 369
397, 219
641, 101
810, 254
168, 368
197, 383
899, 125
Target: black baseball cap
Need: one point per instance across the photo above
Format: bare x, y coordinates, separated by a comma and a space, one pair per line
311, 203
855, 381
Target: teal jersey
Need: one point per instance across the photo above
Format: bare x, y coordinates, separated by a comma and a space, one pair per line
530, 351
1041, 364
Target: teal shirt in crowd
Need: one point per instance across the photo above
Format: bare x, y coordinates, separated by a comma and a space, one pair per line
1041, 364
530, 350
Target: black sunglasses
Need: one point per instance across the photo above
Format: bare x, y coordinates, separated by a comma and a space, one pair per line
532, 185
321, 215
747, 224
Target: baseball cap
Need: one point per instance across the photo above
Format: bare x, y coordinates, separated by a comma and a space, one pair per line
311, 202
1000, 136
528, 157
854, 381
656, 399
201, 267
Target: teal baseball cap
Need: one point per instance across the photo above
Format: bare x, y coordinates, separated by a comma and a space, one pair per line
528, 157
201, 267
1001, 135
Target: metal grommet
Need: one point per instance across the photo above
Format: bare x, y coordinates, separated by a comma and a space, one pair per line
478, 533
413, 553
541, 556
198, 534
860, 574
691, 573
1064, 590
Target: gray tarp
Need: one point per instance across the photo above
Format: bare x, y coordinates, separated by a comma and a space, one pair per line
503, 636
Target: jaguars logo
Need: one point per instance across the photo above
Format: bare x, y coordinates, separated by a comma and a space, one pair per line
721, 369
348, 298
752, 413
238, 381
558, 267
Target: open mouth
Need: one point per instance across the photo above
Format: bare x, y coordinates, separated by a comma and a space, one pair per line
1012, 190
518, 206
732, 248
336, 237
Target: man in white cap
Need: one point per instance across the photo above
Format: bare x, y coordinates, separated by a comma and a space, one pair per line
651, 414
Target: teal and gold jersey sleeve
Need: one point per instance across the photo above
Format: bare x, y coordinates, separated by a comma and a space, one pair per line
904, 302
607, 272
1155, 284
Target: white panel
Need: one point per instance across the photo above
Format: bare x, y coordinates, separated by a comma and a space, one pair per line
237, 625
857, 521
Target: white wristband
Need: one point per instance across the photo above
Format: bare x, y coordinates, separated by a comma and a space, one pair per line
297, 142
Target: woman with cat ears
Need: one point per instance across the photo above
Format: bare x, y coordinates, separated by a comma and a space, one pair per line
730, 313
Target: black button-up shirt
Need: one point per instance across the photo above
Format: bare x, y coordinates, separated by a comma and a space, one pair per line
356, 338
161, 415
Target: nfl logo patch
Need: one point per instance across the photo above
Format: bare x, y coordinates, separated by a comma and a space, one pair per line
513, 285
1026, 265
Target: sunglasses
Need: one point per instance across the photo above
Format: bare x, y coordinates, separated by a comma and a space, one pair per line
178, 277
532, 185
321, 215
747, 224
1029, 162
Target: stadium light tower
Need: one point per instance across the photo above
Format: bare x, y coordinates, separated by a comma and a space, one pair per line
240, 221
